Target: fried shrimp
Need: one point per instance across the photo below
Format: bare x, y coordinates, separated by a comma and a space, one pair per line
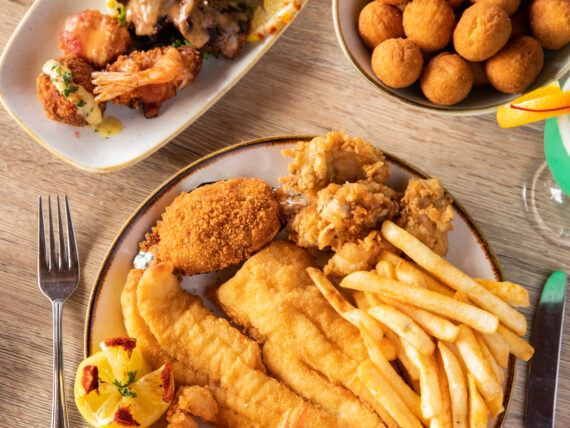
147, 78
217, 225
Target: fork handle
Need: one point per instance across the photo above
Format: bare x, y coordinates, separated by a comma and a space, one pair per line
58, 407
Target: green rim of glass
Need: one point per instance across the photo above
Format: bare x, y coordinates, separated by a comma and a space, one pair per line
557, 158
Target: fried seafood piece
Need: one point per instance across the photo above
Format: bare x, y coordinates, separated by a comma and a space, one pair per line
184, 372
182, 328
426, 213
217, 225
71, 102
355, 256
333, 158
217, 26
145, 79
343, 213
274, 299
191, 401
97, 38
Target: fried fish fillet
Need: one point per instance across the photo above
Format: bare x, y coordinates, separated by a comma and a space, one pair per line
277, 302
217, 225
190, 333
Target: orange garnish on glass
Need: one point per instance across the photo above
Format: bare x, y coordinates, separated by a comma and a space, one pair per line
539, 104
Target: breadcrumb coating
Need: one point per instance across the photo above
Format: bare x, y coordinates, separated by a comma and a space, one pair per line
217, 225
191, 400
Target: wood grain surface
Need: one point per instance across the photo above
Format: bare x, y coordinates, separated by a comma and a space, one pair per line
303, 85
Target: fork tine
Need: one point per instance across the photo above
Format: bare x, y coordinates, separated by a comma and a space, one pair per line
62, 256
72, 258
41, 238
52, 256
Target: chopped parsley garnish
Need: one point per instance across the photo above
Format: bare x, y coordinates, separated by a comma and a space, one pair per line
124, 388
206, 54
181, 42
122, 15
80, 103
69, 89
67, 77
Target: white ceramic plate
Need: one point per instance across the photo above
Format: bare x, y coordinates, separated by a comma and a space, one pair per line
36, 39
468, 248
479, 101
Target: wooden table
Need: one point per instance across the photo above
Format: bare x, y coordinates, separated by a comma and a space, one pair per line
303, 85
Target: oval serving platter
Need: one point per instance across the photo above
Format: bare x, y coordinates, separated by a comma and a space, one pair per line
261, 158
21, 63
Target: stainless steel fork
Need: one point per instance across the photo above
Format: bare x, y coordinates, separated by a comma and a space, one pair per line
58, 276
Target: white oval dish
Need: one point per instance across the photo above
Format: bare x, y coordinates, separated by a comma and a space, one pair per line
468, 248
36, 39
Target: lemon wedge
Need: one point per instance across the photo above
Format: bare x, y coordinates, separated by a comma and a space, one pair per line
115, 387
272, 17
539, 104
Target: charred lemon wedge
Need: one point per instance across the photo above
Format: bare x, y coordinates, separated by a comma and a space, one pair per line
272, 16
116, 387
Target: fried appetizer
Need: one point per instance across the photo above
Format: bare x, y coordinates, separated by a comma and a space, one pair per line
479, 74
429, 24
426, 213
333, 158
97, 38
379, 21
66, 92
509, 6
550, 22
191, 401
447, 79
516, 66
343, 213
481, 32
397, 62
520, 23
145, 79
217, 225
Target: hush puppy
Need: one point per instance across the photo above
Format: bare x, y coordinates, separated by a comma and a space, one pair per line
59, 107
378, 22
550, 22
397, 62
447, 79
429, 24
481, 32
516, 66
509, 6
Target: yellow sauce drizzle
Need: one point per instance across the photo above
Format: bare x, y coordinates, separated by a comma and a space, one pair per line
110, 125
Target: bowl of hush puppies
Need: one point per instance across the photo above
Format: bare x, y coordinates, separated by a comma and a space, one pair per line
458, 57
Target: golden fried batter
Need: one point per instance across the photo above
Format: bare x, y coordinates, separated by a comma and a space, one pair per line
343, 213
56, 105
429, 24
333, 158
379, 21
217, 225
447, 79
191, 400
397, 62
426, 213
550, 22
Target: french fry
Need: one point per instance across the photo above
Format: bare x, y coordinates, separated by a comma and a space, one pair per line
387, 347
477, 408
412, 269
408, 275
404, 326
412, 370
386, 269
407, 395
342, 306
452, 276
467, 314
499, 348
514, 294
382, 390
495, 405
429, 381
431, 323
360, 299
445, 419
517, 345
477, 363
457, 386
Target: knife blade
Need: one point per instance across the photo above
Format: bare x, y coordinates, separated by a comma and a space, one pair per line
547, 341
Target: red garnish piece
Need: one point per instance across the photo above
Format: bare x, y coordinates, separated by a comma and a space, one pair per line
124, 418
167, 384
128, 343
90, 379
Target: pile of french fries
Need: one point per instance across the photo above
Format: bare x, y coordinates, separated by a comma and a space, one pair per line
452, 335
